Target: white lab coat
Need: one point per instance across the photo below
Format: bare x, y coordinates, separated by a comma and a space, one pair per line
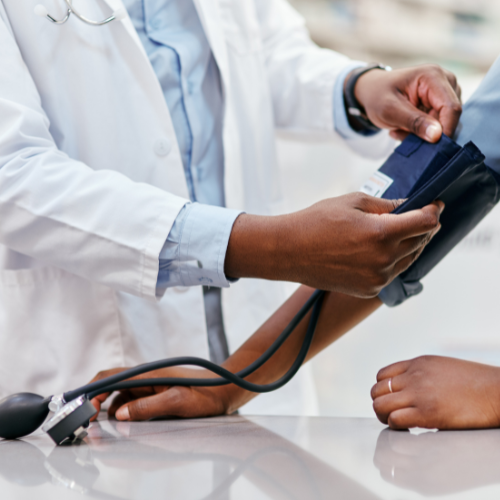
91, 181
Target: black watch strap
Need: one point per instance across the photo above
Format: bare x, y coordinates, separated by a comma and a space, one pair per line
354, 109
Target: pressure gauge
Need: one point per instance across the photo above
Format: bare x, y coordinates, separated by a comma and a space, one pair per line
71, 421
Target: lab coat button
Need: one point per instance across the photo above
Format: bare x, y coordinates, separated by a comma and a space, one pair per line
163, 147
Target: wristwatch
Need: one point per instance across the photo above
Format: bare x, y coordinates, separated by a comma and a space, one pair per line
354, 109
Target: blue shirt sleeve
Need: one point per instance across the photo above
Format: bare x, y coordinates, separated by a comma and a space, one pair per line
340, 119
196, 247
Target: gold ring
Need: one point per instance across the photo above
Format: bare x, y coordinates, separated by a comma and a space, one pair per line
390, 386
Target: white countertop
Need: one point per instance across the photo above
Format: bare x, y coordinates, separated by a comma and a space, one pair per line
240, 458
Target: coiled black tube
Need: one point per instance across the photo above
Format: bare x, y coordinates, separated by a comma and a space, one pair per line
120, 382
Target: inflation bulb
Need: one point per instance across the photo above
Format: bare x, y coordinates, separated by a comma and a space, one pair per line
21, 414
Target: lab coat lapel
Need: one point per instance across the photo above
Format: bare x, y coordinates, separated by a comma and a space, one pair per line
211, 19
127, 23
144, 66
209, 12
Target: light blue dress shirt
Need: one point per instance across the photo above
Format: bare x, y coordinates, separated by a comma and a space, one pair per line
179, 51
180, 54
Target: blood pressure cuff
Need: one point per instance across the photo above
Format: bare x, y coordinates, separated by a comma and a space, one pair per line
421, 173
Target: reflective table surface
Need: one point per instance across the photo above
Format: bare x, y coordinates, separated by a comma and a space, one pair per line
253, 458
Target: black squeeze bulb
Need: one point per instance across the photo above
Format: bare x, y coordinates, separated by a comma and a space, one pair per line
22, 414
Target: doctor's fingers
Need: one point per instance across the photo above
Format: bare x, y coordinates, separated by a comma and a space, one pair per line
444, 101
411, 224
416, 245
404, 263
452, 78
428, 103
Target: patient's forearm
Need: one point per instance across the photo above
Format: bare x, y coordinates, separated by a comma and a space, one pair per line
339, 314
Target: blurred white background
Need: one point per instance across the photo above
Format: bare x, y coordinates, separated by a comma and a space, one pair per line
457, 313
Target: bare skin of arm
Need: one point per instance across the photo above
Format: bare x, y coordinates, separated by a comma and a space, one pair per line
340, 313
351, 244
435, 392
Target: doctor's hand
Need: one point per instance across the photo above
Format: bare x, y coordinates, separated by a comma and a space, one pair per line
351, 244
424, 100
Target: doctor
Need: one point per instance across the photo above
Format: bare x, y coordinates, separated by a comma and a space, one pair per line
127, 153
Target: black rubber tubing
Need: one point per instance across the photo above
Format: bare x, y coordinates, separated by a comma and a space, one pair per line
119, 381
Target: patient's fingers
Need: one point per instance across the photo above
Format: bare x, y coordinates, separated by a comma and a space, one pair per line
385, 405
131, 395
393, 370
97, 402
107, 373
382, 388
160, 405
120, 399
405, 418
184, 402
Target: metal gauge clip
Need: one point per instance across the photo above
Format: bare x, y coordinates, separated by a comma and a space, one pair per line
71, 421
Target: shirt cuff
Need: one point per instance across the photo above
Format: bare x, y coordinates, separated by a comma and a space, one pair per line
195, 250
340, 119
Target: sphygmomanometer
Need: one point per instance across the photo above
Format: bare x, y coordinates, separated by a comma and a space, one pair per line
417, 171
421, 172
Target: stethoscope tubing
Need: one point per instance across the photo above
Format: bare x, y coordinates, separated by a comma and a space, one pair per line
86, 20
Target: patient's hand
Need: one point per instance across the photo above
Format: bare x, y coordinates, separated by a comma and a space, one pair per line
438, 393
146, 403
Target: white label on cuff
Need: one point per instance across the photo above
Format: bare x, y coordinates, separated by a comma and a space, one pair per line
377, 184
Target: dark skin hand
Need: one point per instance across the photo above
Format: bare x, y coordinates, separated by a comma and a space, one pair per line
350, 244
424, 100
339, 314
438, 393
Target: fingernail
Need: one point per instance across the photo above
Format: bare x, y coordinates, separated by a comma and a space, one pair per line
123, 413
433, 132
